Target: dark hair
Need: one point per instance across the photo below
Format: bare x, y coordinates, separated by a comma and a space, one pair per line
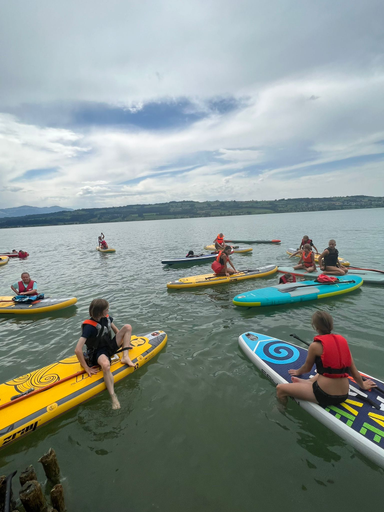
322, 322
227, 248
97, 307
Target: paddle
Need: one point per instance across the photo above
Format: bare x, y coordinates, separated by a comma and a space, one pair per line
367, 269
238, 272
306, 343
8, 491
302, 285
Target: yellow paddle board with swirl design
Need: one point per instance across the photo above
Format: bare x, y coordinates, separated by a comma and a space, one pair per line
30, 401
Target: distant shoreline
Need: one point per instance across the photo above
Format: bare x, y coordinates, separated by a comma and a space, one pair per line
191, 209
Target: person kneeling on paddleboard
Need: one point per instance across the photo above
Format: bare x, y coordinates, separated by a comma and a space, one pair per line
220, 265
334, 364
26, 286
103, 339
329, 261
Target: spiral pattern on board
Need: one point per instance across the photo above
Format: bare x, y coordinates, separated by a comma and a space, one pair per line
278, 352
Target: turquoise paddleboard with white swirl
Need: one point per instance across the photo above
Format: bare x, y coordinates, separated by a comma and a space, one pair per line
359, 420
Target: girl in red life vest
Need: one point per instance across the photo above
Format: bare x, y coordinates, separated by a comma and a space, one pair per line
307, 240
330, 353
220, 265
307, 260
329, 261
219, 242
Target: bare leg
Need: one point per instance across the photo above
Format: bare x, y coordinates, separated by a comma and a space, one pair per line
334, 271
103, 361
300, 265
311, 269
302, 390
123, 339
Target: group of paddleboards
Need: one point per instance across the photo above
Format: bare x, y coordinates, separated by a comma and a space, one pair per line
39, 396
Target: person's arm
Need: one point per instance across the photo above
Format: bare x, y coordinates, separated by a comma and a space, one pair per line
321, 257
14, 290
364, 384
80, 357
31, 292
294, 253
314, 246
114, 328
315, 349
230, 262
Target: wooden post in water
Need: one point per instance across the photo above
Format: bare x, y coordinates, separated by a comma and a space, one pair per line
51, 466
27, 475
57, 498
7, 503
32, 497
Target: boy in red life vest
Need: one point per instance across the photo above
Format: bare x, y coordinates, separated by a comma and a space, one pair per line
220, 265
330, 353
307, 240
219, 242
26, 286
103, 339
287, 278
307, 260
329, 261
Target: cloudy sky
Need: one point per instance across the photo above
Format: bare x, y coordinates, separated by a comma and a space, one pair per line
108, 103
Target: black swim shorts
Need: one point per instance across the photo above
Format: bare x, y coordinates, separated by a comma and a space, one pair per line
324, 399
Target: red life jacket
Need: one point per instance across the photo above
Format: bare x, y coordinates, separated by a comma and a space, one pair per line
309, 241
220, 240
23, 288
323, 278
336, 357
307, 260
284, 280
216, 266
104, 243
104, 335
23, 254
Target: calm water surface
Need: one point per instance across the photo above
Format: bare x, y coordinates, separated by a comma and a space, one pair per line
199, 428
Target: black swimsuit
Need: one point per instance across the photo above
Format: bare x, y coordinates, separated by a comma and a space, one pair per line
324, 399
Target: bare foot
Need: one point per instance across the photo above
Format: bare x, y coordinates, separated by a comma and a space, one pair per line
115, 402
126, 360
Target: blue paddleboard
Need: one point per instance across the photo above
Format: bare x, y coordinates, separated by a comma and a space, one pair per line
296, 292
355, 420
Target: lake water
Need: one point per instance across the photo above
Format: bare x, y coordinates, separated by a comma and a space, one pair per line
200, 428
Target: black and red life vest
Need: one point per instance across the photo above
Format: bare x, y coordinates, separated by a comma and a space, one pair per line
284, 280
23, 288
103, 337
309, 241
336, 358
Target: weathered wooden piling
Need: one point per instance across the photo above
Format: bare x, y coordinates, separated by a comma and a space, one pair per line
27, 475
57, 498
32, 497
51, 466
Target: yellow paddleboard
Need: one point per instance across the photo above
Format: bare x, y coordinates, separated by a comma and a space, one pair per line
38, 306
110, 249
3, 260
30, 401
213, 279
342, 260
238, 249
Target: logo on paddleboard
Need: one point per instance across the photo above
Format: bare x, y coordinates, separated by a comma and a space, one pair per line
277, 352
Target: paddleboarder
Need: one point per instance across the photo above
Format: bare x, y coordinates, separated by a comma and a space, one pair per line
26, 286
307, 259
329, 261
334, 363
103, 339
220, 265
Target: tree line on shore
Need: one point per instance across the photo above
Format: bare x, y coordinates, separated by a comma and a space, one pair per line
190, 209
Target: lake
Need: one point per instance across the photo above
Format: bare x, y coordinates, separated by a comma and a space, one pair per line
200, 427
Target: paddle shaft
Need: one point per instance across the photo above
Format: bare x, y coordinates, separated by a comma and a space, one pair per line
306, 343
239, 272
367, 269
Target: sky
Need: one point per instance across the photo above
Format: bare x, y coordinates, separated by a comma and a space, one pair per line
125, 102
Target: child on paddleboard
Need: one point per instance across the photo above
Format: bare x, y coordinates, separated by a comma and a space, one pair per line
220, 265
26, 286
307, 259
305, 240
329, 261
334, 363
103, 339
219, 242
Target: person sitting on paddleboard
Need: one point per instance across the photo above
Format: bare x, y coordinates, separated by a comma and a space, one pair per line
287, 278
307, 260
26, 286
329, 261
334, 363
220, 265
103, 339
219, 242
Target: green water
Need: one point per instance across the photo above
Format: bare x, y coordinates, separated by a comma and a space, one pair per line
199, 428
